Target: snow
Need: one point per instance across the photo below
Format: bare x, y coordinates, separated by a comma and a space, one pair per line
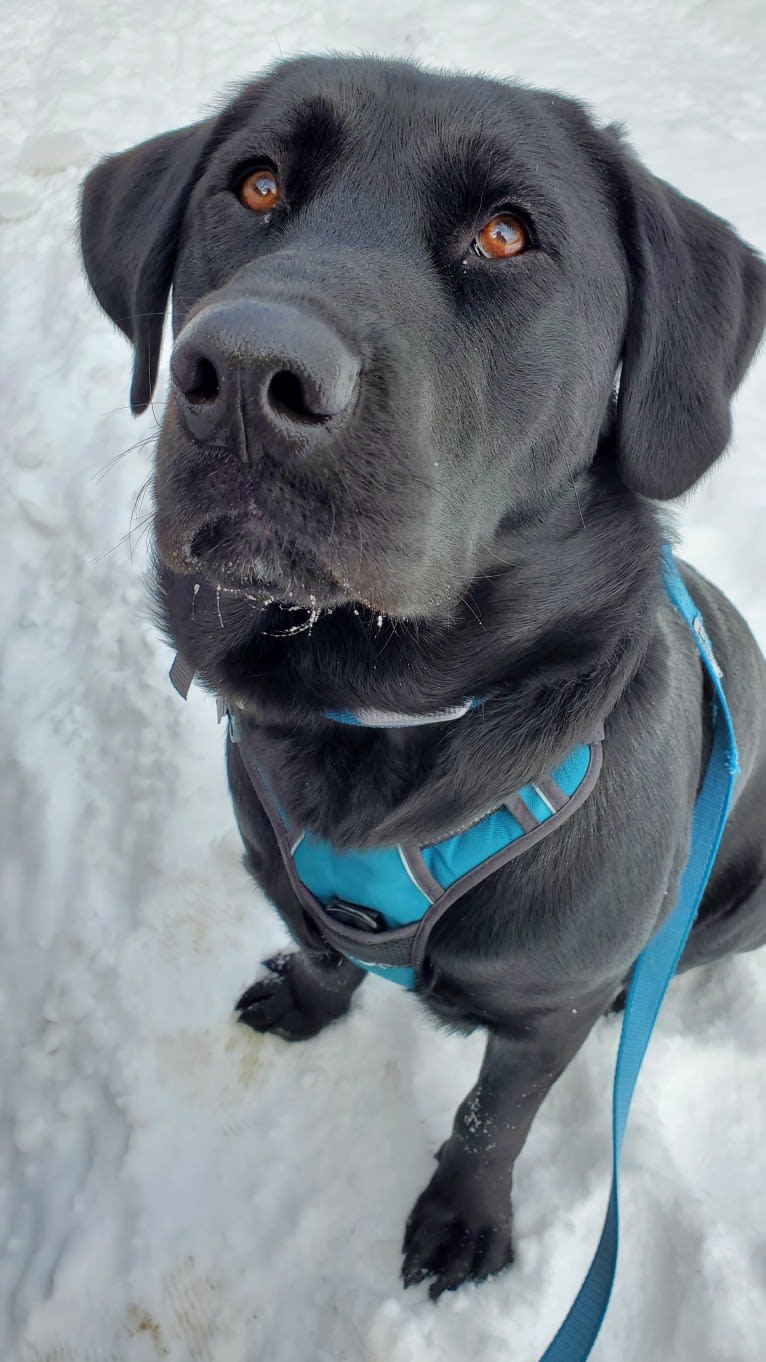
172, 1186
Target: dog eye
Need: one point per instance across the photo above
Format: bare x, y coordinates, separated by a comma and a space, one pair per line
503, 236
259, 191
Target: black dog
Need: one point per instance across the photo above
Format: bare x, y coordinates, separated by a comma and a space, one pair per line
441, 343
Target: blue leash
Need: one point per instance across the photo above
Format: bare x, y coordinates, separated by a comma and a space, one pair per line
652, 974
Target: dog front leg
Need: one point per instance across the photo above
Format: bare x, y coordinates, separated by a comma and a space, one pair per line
460, 1227
306, 989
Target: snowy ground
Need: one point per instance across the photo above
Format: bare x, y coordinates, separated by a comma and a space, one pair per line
172, 1186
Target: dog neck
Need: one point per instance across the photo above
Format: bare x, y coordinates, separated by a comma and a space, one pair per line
553, 634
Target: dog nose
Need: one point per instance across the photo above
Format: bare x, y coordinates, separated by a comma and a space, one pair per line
246, 371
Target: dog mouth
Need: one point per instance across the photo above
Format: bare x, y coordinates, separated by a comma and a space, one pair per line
247, 555
287, 585
280, 544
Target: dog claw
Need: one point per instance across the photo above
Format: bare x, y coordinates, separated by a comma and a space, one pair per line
279, 964
255, 994
413, 1276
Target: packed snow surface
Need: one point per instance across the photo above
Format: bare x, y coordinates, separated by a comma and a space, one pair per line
173, 1186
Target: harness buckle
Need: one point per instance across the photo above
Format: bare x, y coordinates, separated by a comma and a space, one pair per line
354, 915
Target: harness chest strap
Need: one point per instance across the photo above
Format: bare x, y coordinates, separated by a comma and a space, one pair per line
378, 906
409, 885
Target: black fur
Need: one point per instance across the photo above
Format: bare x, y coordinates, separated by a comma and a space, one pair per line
481, 517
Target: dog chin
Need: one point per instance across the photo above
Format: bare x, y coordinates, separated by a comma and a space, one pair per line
294, 582
226, 555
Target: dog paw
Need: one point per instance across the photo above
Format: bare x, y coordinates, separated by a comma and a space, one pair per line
287, 1002
444, 1242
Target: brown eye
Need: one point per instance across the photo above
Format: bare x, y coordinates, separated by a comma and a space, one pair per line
502, 237
259, 191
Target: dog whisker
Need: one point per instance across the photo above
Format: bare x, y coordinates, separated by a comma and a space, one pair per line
465, 601
101, 473
577, 495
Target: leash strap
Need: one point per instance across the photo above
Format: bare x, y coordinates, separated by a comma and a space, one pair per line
652, 974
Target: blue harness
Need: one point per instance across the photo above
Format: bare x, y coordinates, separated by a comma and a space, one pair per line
378, 906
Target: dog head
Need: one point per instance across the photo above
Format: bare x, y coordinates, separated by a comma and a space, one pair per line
400, 303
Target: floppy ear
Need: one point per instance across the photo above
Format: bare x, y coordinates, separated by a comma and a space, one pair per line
131, 211
697, 311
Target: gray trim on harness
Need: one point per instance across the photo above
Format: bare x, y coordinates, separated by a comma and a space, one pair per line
552, 793
524, 816
406, 946
415, 864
